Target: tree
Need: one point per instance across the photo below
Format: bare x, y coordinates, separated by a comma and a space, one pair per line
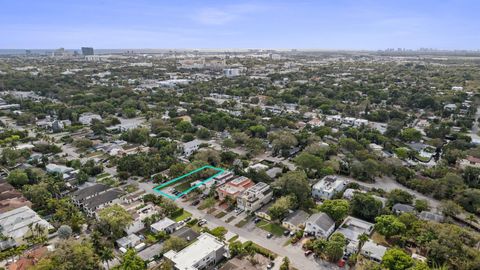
106, 255
410, 135
64, 232
285, 264
365, 206
421, 205
294, 183
236, 248
335, 246
450, 208
68, 256
17, 178
130, 261
281, 206
389, 225
396, 259
471, 176
309, 162
174, 243
336, 209
38, 194
469, 199
116, 219
362, 238
399, 196
209, 202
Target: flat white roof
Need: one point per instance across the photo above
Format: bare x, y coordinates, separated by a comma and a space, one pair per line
187, 257
15, 222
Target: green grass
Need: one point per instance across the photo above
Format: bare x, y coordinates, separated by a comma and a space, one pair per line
220, 215
183, 216
100, 176
233, 238
242, 223
272, 228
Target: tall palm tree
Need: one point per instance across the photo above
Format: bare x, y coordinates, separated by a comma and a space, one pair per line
107, 255
362, 238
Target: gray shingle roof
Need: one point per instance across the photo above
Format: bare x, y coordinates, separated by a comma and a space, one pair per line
296, 218
322, 220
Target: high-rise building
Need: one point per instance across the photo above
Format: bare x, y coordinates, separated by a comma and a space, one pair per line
87, 50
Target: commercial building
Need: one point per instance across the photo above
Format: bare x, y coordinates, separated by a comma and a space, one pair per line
87, 51
18, 223
234, 188
204, 253
254, 197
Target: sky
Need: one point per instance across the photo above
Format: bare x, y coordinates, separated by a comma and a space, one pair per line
204, 24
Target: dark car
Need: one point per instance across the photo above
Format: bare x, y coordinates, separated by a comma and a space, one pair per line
269, 235
256, 220
286, 232
308, 253
270, 265
196, 202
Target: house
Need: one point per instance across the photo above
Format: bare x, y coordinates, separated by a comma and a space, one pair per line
430, 216
360, 122
450, 107
351, 228
319, 225
165, 225
79, 196
254, 197
150, 253
204, 253
263, 212
327, 187
93, 204
400, 208
234, 188
139, 215
373, 251
295, 221
17, 223
129, 241
469, 161
86, 118
190, 147
274, 172
60, 169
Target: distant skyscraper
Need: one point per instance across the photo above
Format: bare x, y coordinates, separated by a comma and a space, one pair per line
87, 50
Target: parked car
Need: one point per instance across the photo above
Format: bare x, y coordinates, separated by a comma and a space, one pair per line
202, 222
270, 265
269, 235
286, 232
187, 219
308, 253
256, 220
196, 202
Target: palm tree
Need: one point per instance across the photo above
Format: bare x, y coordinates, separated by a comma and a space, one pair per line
107, 255
362, 238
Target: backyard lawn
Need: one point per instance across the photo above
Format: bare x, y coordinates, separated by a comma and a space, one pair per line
183, 216
272, 228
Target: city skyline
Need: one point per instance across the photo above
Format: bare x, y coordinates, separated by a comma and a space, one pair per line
343, 25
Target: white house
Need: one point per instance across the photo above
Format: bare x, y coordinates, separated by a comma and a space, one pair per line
190, 147
204, 253
254, 197
86, 118
373, 251
165, 225
327, 187
319, 225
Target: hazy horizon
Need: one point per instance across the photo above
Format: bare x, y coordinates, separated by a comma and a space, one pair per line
318, 25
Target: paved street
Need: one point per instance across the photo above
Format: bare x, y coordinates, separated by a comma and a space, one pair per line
294, 253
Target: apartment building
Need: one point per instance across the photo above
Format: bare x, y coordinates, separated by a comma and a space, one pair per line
254, 197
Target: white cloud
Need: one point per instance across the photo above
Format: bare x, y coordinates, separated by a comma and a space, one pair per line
227, 14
